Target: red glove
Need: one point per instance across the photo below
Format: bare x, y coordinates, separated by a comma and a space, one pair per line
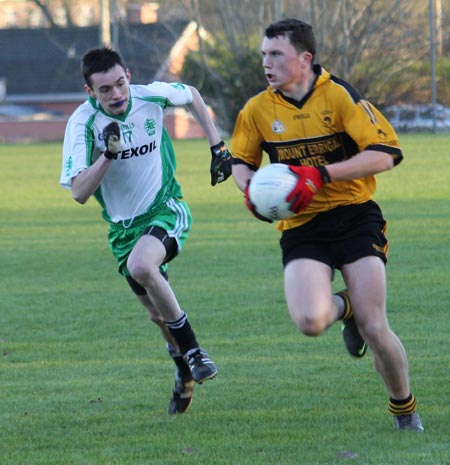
252, 207
310, 180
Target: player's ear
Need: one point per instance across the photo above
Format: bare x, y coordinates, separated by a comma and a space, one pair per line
128, 74
89, 91
307, 57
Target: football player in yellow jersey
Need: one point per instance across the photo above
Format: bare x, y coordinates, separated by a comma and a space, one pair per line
335, 142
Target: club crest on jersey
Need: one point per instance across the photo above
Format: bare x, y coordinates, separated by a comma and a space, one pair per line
150, 127
278, 127
327, 120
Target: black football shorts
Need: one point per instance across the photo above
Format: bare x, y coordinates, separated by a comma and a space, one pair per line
339, 236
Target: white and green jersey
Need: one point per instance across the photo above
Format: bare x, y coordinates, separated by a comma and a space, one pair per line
142, 176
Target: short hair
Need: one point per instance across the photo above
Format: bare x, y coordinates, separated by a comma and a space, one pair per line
99, 60
300, 34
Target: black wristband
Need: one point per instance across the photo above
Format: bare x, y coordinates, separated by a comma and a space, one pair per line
217, 149
324, 173
110, 156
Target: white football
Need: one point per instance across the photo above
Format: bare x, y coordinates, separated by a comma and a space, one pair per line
269, 188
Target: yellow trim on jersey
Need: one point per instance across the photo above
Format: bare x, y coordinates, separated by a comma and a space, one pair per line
331, 124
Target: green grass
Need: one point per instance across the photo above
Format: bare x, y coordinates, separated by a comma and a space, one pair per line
84, 376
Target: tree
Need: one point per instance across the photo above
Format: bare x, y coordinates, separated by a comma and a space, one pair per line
47, 9
227, 79
381, 48
227, 67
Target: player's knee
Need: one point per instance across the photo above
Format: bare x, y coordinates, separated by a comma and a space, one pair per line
143, 273
309, 325
374, 332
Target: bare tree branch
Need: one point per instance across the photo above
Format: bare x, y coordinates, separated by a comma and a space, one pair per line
45, 11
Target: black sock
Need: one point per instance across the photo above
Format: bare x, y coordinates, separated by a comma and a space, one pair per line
182, 333
183, 367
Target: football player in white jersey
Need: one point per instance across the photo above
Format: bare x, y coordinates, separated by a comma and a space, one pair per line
117, 149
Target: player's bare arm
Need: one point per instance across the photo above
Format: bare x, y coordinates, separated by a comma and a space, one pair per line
220, 168
83, 187
241, 175
365, 163
202, 115
88, 180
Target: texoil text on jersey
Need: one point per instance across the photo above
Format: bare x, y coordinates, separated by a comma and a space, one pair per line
137, 151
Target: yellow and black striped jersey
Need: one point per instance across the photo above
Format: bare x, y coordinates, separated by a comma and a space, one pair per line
330, 124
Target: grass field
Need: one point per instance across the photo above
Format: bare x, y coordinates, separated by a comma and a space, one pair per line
84, 376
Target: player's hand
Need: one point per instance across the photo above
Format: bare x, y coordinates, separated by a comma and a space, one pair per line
111, 136
220, 163
310, 180
252, 207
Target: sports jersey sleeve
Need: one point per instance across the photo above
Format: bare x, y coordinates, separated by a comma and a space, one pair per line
246, 140
172, 94
77, 149
367, 126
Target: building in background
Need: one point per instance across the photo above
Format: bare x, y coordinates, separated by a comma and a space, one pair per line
40, 62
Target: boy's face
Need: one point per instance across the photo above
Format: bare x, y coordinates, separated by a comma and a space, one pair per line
111, 89
283, 65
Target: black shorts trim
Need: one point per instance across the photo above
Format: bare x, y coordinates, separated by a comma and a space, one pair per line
171, 247
339, 236
168, 242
